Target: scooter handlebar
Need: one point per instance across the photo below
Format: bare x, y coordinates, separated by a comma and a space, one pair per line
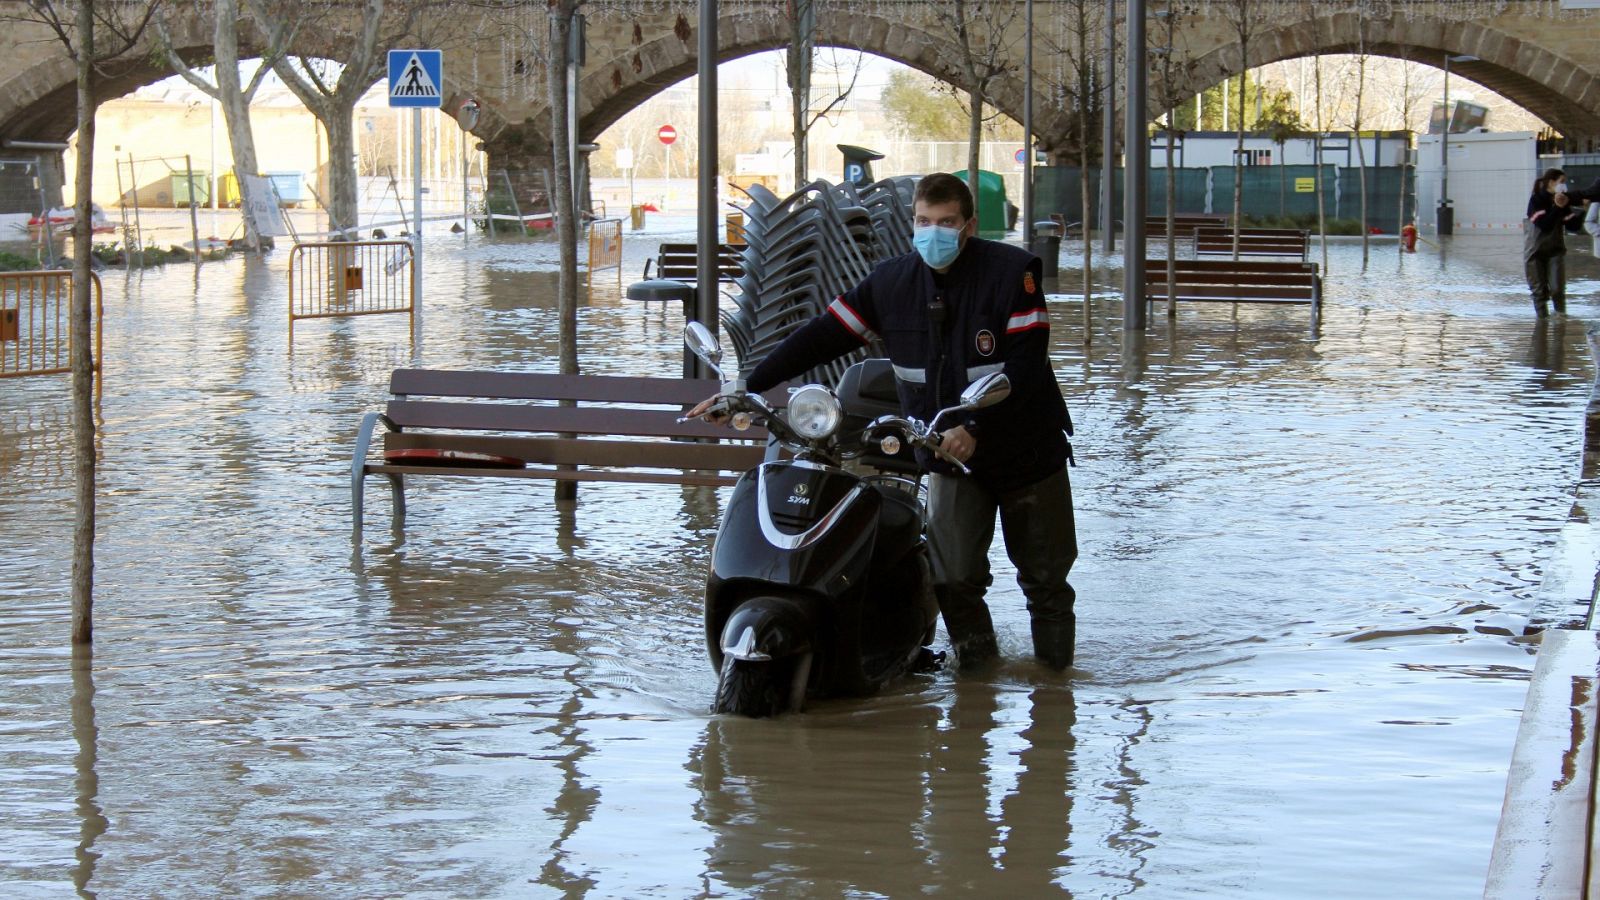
923, 436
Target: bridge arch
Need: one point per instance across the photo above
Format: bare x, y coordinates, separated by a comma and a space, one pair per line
614, 86
1541, 80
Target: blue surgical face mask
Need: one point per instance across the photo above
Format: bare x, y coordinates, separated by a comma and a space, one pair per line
938, 244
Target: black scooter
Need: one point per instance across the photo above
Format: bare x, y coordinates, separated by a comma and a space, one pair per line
820, 584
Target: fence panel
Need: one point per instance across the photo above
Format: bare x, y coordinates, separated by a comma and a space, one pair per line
605, 248
338, 279
35, 312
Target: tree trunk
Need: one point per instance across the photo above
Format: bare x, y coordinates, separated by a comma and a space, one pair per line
343, 214
82, 352
1085, 92
235, 105
1316, 159
564, 209
802, 35
974, 140
1361, 148
1238, 164
1172, 238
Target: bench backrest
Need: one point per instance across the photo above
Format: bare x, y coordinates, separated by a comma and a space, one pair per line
681, 262
485, 401
1286, 242
1243, 279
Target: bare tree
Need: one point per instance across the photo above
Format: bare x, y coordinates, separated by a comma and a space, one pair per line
984, 32
232, 94
94, 35
1316, 159
1173, 76
1245, 17
800, 67
332, 97
1362, 12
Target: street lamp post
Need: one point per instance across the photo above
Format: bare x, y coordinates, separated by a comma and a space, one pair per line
1446, 219
1027, 135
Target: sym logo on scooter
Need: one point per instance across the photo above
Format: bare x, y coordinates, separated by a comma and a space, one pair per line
799, 498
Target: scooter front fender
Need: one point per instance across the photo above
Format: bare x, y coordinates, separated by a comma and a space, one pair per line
766, 628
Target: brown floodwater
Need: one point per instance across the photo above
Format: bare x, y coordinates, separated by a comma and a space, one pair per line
1302, 558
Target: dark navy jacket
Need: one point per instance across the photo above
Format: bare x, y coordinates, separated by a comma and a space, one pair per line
994, 320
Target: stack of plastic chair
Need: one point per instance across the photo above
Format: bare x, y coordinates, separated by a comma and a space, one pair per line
804, 250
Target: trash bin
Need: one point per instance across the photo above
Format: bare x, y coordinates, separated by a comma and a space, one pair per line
991, 200
1447, 218
191, 188
1047, 244
636, 217
291, 187
228, 189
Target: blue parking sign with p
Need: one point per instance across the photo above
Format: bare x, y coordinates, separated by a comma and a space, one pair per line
416, 78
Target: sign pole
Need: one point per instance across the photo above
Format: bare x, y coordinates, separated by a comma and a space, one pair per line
415, 78
416, 203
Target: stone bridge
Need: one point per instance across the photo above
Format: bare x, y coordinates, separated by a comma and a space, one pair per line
1544, 58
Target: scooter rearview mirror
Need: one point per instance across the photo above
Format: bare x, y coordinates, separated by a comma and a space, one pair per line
986, 391
702, 343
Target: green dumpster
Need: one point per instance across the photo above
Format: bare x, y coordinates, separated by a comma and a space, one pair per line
991, 199
191, 188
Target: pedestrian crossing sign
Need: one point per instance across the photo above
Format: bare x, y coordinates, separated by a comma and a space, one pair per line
416, 77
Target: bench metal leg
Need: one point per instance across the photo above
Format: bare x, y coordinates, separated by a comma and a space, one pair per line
397, 498
358, 472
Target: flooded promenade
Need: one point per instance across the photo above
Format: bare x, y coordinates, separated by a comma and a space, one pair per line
1302, 561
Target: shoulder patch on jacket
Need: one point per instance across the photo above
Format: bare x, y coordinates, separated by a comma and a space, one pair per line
1027, 283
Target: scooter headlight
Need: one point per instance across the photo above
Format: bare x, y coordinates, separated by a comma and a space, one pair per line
814, 413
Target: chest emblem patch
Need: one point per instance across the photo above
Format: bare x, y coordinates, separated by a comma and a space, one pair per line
985, 342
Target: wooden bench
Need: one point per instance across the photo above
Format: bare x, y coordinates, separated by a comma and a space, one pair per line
680, 262
1275, 243
1237, 281
514, 414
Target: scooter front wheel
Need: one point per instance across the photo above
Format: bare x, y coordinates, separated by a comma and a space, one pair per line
758, 689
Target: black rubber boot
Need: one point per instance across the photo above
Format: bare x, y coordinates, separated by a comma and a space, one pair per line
971, 630
1540, 308
1053, 642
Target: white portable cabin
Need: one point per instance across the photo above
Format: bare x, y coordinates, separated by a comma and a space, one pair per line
1491, 174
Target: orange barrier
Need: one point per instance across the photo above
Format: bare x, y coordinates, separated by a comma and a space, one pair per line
605, 248
35, 309
337, 279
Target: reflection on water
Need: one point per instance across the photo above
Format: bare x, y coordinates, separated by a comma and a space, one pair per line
1302, 555
93, 821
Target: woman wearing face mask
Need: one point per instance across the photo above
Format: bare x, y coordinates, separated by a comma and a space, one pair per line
1544, 249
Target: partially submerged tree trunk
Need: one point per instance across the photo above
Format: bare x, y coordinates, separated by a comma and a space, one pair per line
564, 207
1238, 161
82, 355
1361, 151
1316, 158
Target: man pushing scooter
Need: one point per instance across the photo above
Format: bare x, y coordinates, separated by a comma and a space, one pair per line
956, 309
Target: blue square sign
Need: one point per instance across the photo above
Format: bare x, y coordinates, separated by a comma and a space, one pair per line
416, 78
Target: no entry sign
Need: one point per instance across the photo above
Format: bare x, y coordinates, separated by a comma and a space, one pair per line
667, 134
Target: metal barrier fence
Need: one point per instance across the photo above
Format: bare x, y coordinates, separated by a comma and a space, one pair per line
605, 248
338, 279
35, 312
